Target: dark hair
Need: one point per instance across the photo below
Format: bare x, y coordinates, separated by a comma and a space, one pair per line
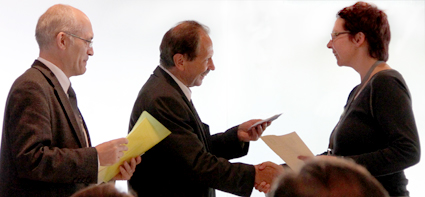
182, 39
367, 18
322, 177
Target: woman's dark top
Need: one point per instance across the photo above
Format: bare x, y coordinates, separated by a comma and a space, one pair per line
378, 131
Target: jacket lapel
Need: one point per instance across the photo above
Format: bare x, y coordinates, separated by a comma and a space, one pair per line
63, 100
201, 128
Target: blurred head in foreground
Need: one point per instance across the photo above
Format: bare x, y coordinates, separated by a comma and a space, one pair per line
104, 190
328, 176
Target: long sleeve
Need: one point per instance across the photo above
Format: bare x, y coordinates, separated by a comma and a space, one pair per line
228, 145
390, 105
185, 161
189, 151
378, 131
43, 147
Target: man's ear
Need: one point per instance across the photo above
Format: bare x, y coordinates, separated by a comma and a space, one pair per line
61, 41
359, 39
179, 61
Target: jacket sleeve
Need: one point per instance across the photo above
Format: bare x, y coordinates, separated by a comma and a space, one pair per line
189, 154
228, 145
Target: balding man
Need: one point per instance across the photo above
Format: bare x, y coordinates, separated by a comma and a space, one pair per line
46, 149
190, 161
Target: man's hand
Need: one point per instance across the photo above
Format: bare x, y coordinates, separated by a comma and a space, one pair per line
265, 173
127, 170
111, 152
252, 134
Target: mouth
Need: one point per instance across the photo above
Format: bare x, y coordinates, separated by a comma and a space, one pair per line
205, 73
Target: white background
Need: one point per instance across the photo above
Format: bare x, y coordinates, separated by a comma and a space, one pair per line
270, 58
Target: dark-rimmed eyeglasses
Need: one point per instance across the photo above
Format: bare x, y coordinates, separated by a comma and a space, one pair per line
336, 34
90, 42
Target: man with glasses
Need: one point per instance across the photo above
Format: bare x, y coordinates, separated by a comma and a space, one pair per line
46, 149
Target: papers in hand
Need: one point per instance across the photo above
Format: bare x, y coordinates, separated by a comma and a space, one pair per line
265, 120
288, 147
146, 133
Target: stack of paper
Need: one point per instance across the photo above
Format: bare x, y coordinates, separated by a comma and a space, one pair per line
146, 133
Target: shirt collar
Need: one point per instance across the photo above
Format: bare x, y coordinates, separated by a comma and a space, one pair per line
60, 75
183, 87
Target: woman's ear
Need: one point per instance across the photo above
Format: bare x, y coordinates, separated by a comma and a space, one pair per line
359, 39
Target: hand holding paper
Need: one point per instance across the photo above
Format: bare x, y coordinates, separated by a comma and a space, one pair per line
246, 135
250, 131
146, 133
110, 152
127, 169
265, 120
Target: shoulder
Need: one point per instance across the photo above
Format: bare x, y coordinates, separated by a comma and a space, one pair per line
159, 93
160, 97
31, 87
388, 81
387, 75
31, 78
160, 85
388, 78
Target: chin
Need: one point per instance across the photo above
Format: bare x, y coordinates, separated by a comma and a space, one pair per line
340, 64
198, 81
81, 72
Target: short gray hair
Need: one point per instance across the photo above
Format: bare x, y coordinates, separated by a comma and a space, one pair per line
58, 18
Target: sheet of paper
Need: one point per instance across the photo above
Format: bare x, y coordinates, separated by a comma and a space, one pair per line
146, 133
266, 120
288, 147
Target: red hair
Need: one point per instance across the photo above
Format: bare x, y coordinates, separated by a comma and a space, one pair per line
368, 19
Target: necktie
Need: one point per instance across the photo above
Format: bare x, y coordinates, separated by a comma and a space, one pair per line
73, 101
202, 127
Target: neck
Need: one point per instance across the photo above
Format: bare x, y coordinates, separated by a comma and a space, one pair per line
363, 65
179, 75
372, 69
53, 58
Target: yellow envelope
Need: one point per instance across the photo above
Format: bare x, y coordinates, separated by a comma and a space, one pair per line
146, 133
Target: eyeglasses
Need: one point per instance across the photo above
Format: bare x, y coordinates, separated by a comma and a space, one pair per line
336, 34
90, 42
